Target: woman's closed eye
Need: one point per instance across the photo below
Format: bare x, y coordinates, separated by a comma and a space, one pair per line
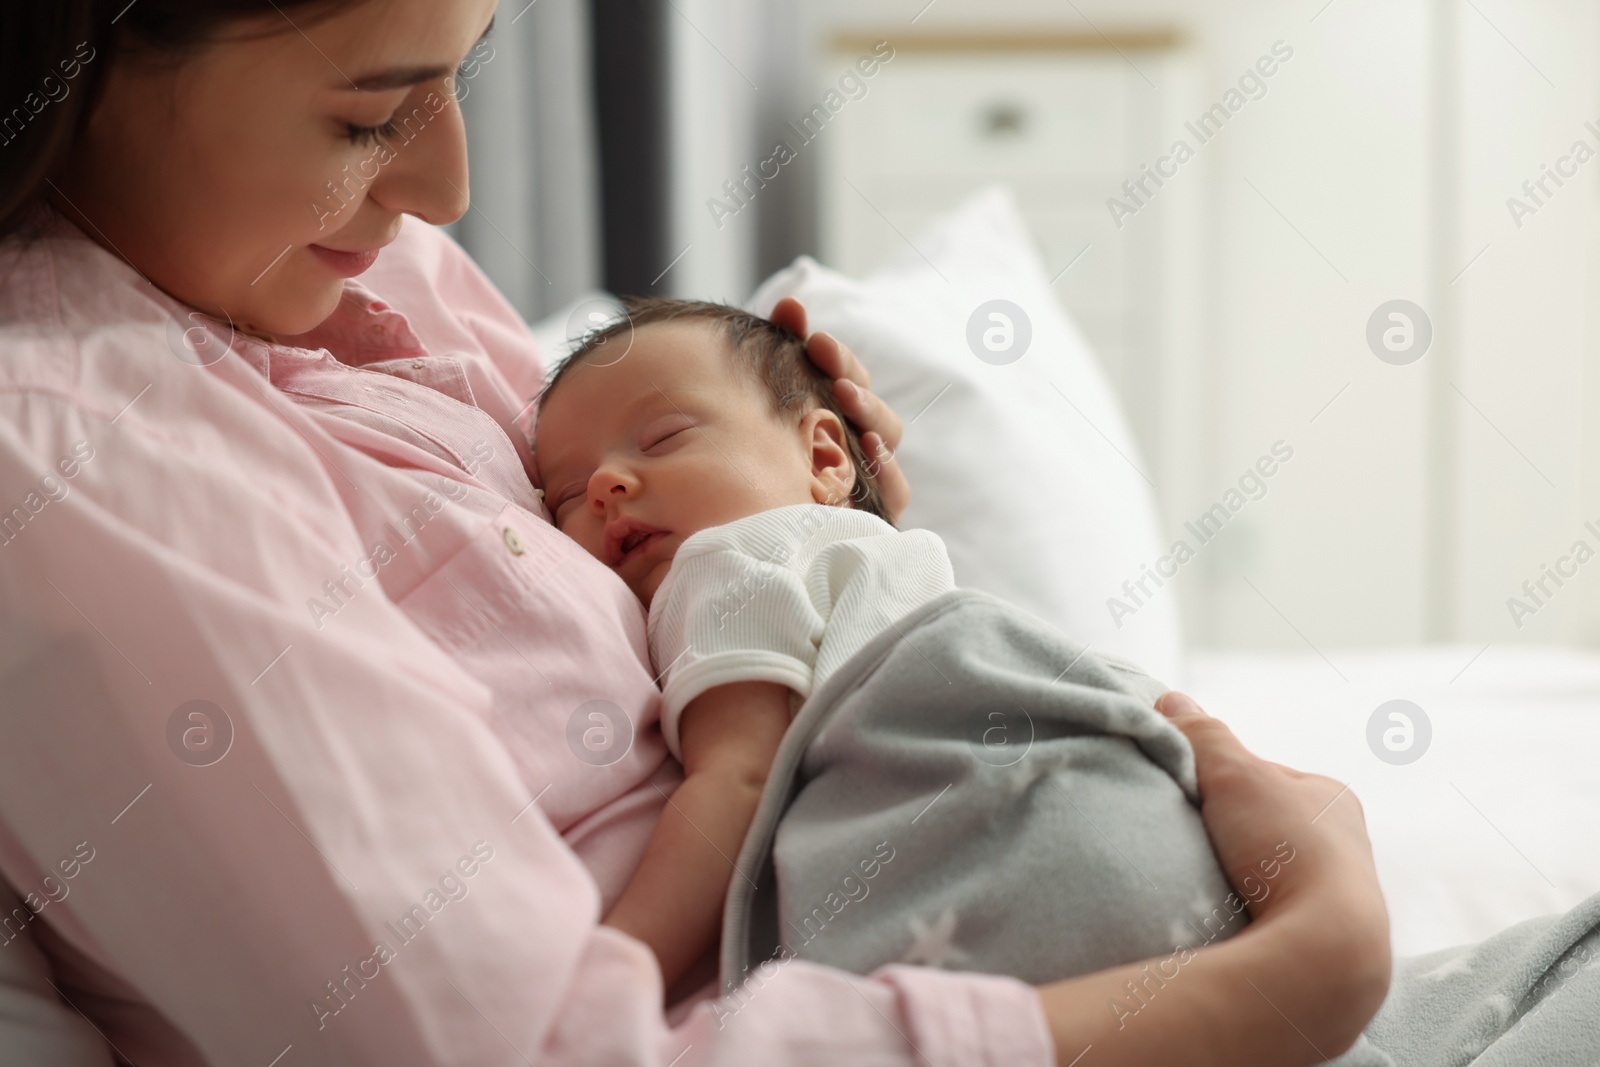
369, 135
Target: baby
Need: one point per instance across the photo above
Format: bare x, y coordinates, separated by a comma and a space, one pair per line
695, 450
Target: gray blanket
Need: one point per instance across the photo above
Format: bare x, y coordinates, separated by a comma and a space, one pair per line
1527, 997
973, 791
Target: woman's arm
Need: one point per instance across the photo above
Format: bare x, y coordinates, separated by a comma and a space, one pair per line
1290, 993
1296, 986
674, 901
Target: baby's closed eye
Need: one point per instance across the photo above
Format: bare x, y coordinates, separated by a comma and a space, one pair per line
663, 429
559, 501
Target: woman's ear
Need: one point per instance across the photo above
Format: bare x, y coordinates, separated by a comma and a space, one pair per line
833, 476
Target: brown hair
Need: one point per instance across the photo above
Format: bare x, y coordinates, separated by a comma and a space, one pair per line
774, 355
54, 55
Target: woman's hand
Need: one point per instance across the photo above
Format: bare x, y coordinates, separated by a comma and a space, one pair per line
1256, 810
1295, 987
852, 387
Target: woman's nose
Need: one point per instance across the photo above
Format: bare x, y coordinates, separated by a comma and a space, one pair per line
427, 176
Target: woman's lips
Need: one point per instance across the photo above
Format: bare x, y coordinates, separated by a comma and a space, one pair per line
346, 264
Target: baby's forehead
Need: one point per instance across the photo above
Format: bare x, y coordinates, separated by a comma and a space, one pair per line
691, 353
601, 386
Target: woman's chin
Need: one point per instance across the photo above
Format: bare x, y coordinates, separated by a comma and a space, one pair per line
289, 310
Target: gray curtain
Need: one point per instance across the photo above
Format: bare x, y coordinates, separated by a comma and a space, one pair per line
534, 224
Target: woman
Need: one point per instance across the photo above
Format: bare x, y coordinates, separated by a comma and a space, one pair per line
292, 656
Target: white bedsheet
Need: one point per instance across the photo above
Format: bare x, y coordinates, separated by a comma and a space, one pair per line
1497, 822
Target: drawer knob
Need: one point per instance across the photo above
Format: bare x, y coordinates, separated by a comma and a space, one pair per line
1004, 119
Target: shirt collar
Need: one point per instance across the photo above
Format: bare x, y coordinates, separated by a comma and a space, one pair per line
362, 329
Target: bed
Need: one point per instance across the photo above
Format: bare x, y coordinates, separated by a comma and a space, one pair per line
1494, 823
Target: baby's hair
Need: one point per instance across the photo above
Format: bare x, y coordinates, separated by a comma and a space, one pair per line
775, 355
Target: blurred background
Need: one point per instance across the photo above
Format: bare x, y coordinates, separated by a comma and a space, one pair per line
1341, 154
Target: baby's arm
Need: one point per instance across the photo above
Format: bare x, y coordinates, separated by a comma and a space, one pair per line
729, 736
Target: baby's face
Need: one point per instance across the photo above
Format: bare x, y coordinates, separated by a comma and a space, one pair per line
673, 437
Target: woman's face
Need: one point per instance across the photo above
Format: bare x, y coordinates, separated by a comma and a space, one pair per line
247, 180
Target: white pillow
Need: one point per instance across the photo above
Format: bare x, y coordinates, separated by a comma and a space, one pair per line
1026, 469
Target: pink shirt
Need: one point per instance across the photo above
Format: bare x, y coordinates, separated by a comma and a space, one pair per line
292, 655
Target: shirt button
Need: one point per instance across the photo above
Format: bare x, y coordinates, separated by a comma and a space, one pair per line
513, 541
417, 364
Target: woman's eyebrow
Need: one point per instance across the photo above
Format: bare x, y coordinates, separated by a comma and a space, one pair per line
398, 78
404, 77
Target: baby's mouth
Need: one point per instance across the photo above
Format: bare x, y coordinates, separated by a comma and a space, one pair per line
627, 538
635, 539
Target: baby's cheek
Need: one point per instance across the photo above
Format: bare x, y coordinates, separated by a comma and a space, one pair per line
652, 581
591, 541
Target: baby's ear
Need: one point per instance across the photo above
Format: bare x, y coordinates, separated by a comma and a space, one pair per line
833, 476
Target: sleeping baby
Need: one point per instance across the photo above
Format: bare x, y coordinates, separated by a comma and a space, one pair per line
878, 765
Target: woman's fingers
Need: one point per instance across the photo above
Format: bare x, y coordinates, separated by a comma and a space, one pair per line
852, 385
790, 314
1214, 734
1254, 809
831, 357
892, 482
880, 434
836, 359
867, 410
879, 424
1173, 704
1216, 750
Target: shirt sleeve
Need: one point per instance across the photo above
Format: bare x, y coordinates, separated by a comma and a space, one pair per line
309, 848
35, 1025
725, 615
